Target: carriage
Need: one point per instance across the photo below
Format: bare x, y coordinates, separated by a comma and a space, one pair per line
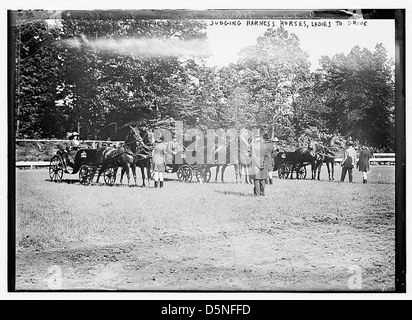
83, 163
185, 172
286, 166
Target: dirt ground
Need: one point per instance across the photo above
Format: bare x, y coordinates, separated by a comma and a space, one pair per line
305, 253
281, 258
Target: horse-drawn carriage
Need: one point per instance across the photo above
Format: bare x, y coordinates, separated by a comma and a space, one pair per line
287, 165
83, 162
185, 172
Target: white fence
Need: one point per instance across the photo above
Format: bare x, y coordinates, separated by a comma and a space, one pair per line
377, 159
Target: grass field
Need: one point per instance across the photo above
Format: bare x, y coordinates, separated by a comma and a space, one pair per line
303, 236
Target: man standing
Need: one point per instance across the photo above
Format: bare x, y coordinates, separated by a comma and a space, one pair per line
363, 163
348, 162
269, 164
260, 157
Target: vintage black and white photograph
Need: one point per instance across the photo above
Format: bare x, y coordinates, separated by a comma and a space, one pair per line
206, 150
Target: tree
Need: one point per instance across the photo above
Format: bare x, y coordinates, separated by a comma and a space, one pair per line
114, 80
359, 92
276, 74
37, 87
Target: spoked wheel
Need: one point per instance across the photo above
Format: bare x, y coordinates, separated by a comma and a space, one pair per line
109, 176
185, 174
301, 173
86, 174
200, 173
56, 169
283, 171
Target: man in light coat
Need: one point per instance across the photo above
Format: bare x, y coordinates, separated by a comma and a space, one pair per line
348, 162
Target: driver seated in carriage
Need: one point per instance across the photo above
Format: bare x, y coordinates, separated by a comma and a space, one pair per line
72, 145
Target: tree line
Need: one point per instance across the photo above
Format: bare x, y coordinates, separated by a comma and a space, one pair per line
81, 74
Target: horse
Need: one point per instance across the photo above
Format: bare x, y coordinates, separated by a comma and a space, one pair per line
122, 156
329, 160
235, 153
139, 142
325, 154
296, 159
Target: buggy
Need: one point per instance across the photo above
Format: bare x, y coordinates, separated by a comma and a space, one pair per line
286, 166
83, 162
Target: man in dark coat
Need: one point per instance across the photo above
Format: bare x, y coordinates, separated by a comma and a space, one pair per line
363, 163
260, 157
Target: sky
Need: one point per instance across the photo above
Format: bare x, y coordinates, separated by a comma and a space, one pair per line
226, 41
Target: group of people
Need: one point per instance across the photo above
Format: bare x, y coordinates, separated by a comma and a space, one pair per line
349, 162
263, 153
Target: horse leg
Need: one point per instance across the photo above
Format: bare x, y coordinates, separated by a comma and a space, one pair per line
102, 168
134, 173
217, 172
320, 164
313, 168
331, 169
223, 172
127, 169
143, 177
121, 175
148, 173
238, 169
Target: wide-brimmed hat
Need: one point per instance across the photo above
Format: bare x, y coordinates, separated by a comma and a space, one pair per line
274, 139
71, 135
349, 143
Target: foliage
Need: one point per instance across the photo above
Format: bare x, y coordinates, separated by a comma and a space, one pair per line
98, 75
359, 91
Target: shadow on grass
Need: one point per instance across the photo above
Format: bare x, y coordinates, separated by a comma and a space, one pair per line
68, 181
235, 193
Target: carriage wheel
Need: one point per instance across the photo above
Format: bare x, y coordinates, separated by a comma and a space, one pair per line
201, 173
185, 173
109, 176
301, 173
85, 175
283, 171
56, 169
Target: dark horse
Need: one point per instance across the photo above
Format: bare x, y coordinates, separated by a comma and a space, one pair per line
126, 156
122, 156
325, 154
142, 147
297, 159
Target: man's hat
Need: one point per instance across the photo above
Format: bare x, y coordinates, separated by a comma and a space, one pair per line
349, 143
274, 139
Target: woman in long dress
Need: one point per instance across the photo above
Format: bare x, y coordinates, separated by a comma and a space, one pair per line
159, 163
363, 163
